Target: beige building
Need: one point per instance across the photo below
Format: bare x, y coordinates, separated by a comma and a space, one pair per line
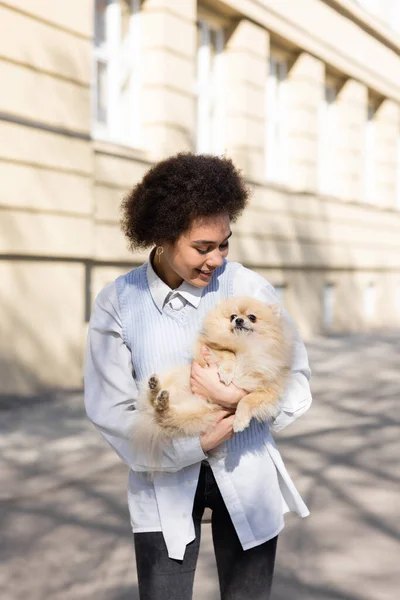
304, 95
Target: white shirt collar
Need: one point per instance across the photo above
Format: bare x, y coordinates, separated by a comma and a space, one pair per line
160, 290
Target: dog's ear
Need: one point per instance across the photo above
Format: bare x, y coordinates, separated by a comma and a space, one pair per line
276, 309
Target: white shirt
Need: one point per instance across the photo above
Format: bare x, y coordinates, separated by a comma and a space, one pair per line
110, 393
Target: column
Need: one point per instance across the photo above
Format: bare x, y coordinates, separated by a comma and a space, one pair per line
169, 42
305, 95
352, 104
246, 57
387, 118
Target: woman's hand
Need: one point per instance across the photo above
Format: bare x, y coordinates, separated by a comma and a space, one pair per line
219, 433
205, 382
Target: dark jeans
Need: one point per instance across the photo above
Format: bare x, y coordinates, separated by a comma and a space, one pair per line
242, 574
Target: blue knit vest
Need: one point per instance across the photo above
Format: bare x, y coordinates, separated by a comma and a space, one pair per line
159, 340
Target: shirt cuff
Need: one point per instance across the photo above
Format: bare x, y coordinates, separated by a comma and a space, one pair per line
281, 421
189, 451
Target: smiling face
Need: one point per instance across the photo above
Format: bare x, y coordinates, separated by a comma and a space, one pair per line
196, 254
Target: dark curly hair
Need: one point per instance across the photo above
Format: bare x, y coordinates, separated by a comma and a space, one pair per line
178, 190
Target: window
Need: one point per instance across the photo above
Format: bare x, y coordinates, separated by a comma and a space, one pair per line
328, 140
398, 175
370, 5
276, 153
369, 155
210, 88
369, 301
328, 305
116, 81
394, 17
280, 292
397, 301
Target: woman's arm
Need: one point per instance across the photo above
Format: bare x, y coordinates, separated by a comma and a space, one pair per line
297, 398
111, 391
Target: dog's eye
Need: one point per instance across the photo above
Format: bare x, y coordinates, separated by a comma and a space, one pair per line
252, 318
233, 317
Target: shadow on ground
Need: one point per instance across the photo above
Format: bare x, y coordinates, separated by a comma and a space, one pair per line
68, 537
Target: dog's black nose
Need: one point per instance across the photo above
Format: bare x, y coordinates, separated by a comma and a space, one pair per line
239, 322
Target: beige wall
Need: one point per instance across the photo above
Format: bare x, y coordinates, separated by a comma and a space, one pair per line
60, 241
42, 311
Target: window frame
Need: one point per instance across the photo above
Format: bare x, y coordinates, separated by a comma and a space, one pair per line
397, 298
210, 122
394, 19
276, 130
280, 290
370, 298
369, 5
122, 59
328, 305
398, 173
328, 138
370, 140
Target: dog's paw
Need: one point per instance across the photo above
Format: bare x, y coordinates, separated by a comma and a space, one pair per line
225, 376
242, 419
154, 383
240, 424
161, 403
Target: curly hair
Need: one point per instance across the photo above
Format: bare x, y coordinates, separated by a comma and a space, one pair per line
178, 190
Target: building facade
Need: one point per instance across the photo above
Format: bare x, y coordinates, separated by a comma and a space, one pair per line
305, 96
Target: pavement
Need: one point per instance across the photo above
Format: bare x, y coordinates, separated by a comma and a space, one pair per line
64, 527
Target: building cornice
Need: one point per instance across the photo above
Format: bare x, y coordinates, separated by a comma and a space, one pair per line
276, 18
368, 21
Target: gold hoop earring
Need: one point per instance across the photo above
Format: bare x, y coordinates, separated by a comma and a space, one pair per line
159, 251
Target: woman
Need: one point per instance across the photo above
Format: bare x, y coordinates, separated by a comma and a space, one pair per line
146, 322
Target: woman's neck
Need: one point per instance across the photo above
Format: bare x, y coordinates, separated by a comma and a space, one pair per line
165, 273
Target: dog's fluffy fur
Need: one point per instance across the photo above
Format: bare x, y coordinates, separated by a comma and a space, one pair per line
252, 348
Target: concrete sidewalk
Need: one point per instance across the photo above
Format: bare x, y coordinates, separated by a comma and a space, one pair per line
64, 524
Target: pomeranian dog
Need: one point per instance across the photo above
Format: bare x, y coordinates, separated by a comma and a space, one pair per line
252, 348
